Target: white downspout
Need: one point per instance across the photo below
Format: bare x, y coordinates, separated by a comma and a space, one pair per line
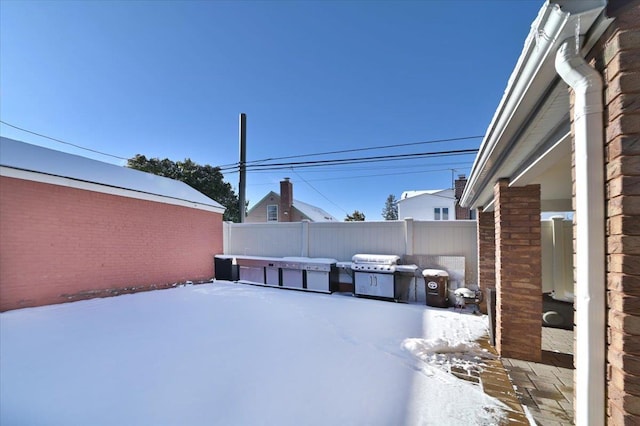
590, 303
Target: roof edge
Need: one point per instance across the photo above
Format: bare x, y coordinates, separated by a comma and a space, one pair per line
45, 178
534, 72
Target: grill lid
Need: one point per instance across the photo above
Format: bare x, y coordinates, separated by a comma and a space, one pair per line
376, 259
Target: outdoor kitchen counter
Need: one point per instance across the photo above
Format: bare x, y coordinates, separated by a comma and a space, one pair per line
292, 272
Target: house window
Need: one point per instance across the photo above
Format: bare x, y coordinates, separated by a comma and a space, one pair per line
441, 213
272, 213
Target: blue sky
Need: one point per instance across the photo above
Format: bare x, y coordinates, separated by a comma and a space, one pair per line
170, 78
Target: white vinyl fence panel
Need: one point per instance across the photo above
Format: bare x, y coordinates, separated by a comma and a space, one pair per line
419, 242
557, 258
263, 239
341, 240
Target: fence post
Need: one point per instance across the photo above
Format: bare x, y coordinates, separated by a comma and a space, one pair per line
304, 252
226, 229
408, 236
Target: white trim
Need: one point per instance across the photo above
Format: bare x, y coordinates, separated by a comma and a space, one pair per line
104, 189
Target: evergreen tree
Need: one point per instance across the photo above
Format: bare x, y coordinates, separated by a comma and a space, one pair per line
356, 216
390, 211
206, 179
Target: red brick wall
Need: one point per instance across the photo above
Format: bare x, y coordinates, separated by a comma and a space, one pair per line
486, 250
61, 244
618, 58
518, 271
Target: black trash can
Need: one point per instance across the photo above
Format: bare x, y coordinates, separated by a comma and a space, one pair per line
225, 269
436, 283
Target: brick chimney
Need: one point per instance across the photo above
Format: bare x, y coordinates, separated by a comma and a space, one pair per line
286, 200
461, 212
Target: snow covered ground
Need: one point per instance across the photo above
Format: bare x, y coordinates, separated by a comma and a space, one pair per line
234, 354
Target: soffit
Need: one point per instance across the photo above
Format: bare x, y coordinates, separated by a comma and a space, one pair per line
547, 126
535, 107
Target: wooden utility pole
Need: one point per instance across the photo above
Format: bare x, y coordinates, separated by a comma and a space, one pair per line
242, 166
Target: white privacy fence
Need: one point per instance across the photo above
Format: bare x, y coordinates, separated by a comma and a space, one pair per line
419, 242
341, 240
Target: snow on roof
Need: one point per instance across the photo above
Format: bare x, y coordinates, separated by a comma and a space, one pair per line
410, 194
32, 158
314, 213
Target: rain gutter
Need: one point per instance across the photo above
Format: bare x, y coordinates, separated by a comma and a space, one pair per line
532, 76
590, 303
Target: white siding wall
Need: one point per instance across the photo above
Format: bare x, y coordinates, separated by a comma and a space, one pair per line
421, 207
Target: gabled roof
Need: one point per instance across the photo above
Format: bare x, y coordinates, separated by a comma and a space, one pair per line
32, 162
315, 214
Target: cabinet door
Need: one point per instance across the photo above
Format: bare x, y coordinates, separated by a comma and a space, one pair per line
377, 285
252, 274
292, 278
317, 281
272, 275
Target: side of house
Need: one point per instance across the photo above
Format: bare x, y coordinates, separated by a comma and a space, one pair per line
427, 205
439, 204
565, 137
73, 228
283, 208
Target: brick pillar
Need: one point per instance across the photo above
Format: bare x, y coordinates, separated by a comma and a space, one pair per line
486, 253
518, 271
486, 250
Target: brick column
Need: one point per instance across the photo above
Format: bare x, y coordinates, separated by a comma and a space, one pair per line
486, 253
486, 250
518, 271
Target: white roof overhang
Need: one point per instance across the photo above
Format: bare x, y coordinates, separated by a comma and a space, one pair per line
528, 139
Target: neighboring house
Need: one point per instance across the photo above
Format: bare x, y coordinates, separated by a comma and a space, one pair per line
566, 137
73, 228
283, 208
437, 204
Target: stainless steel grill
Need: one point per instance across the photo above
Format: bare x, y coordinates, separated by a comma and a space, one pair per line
381, 263
380, 276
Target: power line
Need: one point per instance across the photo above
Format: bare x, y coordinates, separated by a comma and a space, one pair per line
255, 167
355, 150
64, 142
405, 169
379, 174
321, 194
357, 160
